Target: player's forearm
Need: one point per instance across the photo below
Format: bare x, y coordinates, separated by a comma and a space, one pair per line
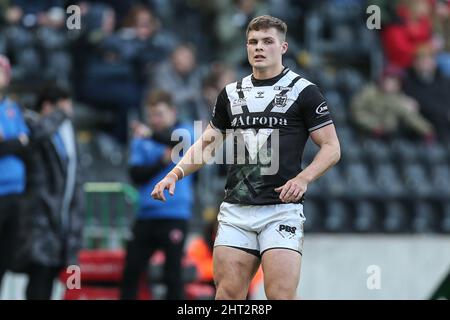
328, 155
199, 153
193, 160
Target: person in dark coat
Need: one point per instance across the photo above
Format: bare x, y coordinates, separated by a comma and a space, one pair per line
50, 232
425, 83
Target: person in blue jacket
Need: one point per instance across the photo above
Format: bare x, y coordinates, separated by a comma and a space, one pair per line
13, 132
158, 225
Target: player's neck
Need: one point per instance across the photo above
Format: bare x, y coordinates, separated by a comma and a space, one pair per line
267, 73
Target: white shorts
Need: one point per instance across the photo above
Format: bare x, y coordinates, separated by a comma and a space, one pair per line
256, 229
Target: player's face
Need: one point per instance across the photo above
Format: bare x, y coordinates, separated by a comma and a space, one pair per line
265, 48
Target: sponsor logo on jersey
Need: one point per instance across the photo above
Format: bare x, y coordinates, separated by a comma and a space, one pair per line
260, 95
285, 230
322, 109
241, 121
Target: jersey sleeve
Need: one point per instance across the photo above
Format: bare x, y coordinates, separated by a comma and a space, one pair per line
314, 109
220, 118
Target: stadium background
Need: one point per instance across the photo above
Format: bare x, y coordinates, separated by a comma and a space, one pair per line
387, 203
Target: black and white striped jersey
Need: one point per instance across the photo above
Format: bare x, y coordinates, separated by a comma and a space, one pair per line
273, 119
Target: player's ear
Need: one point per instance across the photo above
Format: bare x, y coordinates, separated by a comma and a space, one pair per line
284, 47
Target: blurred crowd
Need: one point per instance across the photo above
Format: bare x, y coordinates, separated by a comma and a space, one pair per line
136, 68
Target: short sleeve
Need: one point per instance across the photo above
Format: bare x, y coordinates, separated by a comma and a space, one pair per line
314, 109
220, 119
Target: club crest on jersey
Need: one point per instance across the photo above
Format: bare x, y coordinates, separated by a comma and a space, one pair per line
239, 103
279, 101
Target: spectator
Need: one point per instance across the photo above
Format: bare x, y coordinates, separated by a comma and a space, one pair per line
147, 41
425, 83
157, 226
441, 25
382, 110
13, 135
230, 29
118, 64
218, 77
50, 231
400, 39
181, 76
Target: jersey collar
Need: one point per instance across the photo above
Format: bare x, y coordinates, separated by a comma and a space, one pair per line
270, 81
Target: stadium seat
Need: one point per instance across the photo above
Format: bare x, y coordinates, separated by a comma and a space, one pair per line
359, 181
387, 179
445, 222
425, 219
404, 151
366, 217
351, 152
396, 218
416, 180
376, 151
440, 179
433, 154
338, 217
314, 216
332, 184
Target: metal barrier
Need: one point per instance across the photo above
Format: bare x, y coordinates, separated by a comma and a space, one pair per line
110, 210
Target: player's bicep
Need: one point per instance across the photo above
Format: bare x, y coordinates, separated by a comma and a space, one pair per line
325, 135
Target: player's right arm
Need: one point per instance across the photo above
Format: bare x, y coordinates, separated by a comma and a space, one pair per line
195, 158
201, 151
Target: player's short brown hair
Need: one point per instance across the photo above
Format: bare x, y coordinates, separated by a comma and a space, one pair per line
267, 22
159, 96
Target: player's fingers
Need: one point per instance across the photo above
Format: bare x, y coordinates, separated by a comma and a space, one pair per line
299, 195
158, 192
289, 193
289, 197
279, 188
286, 188
154, 193
172, 189
294, 196
161, 194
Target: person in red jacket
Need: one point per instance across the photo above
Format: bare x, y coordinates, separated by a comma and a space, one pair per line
414, 28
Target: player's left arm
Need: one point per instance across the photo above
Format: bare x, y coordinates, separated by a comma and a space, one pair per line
328, 155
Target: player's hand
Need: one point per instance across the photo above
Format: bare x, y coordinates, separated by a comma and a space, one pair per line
167, 183
293, 190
